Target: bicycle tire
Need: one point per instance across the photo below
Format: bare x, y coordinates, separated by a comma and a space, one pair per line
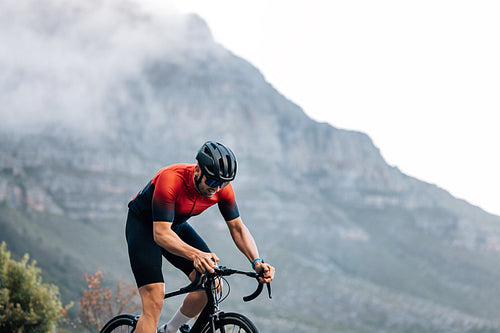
124, 323
231, 323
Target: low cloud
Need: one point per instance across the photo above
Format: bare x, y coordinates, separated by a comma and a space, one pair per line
61, 60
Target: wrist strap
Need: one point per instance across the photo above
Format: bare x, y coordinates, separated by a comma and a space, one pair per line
255, 261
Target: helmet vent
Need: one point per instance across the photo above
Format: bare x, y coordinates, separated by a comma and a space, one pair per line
221, 166
229, 165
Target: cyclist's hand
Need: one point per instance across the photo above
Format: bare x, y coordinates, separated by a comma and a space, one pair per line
205, 262
266, 270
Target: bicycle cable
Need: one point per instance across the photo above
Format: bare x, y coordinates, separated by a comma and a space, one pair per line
225, 282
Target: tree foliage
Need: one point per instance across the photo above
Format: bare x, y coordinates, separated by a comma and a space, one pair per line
98, 304
26, 303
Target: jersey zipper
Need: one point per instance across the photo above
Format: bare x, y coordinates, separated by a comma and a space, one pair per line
194, 205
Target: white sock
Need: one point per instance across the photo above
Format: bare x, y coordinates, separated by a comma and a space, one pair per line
177, 320
162, 329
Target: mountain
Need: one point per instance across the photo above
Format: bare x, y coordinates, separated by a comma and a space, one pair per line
97, 96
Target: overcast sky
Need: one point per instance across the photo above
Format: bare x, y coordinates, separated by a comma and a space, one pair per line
421, 78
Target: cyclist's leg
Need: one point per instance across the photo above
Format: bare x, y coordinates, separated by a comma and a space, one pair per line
145, 259
194, 302
152, 302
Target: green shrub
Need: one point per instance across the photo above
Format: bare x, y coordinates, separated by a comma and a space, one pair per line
26, 304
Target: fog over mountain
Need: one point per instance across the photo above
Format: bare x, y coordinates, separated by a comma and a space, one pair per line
98, 95
62, 58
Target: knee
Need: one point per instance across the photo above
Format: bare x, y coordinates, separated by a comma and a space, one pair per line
156, 305
152, 299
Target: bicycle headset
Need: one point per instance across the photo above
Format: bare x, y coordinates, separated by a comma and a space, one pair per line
217, 161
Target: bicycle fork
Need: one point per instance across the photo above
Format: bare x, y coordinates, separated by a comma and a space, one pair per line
213, 318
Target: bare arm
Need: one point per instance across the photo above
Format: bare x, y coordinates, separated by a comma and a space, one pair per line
246, 244
243, 239
165, 237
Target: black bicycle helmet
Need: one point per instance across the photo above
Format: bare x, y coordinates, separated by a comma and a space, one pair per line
217, 161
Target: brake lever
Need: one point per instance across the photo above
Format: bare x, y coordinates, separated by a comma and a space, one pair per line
268, 285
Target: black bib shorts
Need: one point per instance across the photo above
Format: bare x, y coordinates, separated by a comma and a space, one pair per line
146, 256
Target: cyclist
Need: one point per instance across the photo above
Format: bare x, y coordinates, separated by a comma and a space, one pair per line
157, 225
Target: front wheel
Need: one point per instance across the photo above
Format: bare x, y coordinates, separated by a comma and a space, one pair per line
124, 323
231, 322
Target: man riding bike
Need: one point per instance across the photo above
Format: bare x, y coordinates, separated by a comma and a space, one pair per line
157, 225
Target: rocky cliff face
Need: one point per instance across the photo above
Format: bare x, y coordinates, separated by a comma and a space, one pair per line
347, 232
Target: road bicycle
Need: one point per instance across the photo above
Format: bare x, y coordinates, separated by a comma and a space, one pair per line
211, 318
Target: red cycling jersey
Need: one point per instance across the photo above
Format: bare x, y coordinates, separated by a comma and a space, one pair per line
172, 196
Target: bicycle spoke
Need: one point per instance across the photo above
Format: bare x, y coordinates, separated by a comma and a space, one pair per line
232, 329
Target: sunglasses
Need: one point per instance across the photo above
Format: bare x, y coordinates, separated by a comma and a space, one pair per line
214, 183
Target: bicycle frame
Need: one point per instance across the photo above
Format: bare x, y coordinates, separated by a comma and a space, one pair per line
208, 283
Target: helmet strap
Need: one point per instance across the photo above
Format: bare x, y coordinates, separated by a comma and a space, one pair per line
197, 181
